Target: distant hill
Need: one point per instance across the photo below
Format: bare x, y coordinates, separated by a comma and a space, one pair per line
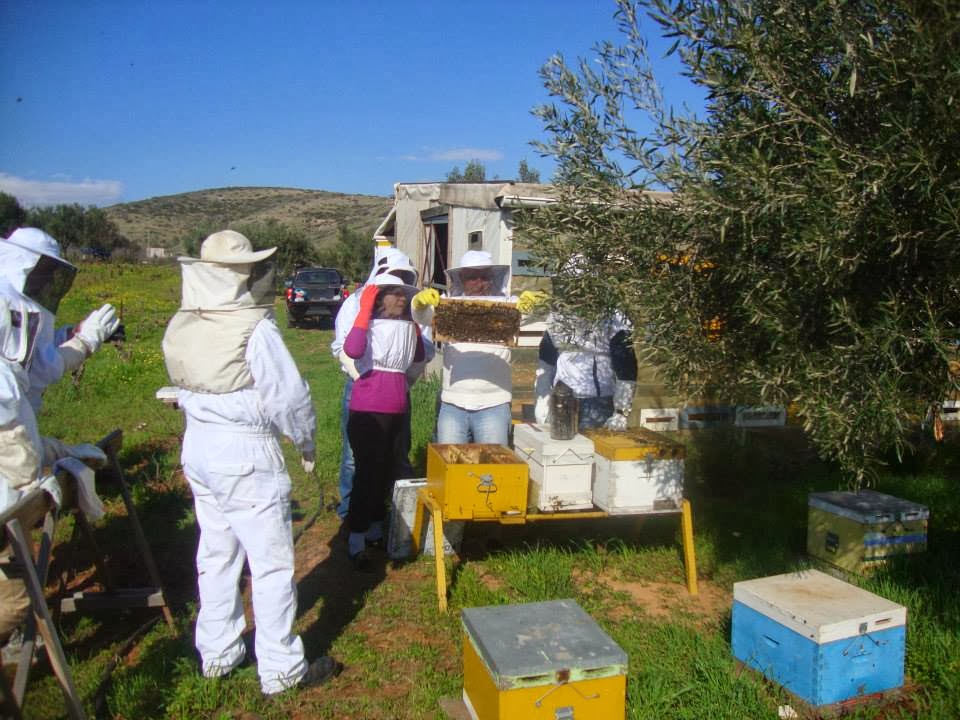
164, 221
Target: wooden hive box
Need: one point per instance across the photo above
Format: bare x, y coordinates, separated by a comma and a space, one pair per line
477, 481
541, 661
636, 471
561, 471
822, 639
858, 531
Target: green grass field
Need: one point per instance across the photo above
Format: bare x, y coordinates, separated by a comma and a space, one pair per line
748, 492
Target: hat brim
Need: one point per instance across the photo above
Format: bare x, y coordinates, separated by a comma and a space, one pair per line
40, 252
408, 290
242, 259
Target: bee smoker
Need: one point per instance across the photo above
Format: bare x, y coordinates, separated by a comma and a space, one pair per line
563, 412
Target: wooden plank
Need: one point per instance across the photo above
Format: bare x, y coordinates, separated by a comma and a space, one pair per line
118, 599
48, 631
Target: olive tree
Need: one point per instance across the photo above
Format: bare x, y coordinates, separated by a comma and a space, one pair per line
807, 247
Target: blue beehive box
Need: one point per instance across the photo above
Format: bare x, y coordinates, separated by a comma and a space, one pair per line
823, 639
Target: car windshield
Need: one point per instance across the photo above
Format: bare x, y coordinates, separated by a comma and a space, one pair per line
319, 277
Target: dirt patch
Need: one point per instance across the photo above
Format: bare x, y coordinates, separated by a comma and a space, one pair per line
662, 599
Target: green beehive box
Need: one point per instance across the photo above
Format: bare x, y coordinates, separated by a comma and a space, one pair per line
857, 531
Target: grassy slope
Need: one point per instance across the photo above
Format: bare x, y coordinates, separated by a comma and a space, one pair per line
164, 221
749, 497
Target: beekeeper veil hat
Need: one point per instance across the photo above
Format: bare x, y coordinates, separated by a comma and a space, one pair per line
393, 261
390, 283
479, 261
228, 275
32, 263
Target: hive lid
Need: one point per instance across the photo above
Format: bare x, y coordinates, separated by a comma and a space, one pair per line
541, 643
818, 606
869, 506
535, 441
634, 444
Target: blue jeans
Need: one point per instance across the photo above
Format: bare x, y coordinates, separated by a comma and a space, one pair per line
490, 425
347, 466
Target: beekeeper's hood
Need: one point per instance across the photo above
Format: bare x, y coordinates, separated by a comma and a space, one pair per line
32, 264
390, 283
228, 275
391, 260
475, 260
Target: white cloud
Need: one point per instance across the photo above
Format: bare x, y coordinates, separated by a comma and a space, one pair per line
466, 154
37, 192
454, 155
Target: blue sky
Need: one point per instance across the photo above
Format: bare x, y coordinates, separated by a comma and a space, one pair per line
109, 101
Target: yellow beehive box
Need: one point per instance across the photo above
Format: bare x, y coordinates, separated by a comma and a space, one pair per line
634, 444
477, 481
541, 661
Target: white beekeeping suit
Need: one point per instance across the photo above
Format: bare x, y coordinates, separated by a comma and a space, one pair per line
386, 260
25, 454
241, 390
28, 459
33, 273
20, 458
596, 361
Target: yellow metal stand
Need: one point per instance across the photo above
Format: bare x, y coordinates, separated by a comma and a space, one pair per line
426, 501
689, 554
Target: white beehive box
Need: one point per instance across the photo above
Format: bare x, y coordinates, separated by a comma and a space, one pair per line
400, 533
704, 416
632, 486
951, 411
761, 416
561, 471
660, 419
636, 471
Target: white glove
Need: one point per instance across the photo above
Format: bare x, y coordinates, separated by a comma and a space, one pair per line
308, 462
86, 451
616, 422
54, 449
623, 391
98, 326
542, 384
349, 365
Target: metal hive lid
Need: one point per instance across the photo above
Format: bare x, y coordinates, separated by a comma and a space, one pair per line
532, 643
869, 506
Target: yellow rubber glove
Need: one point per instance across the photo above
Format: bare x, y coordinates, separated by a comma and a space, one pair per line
530, 300
428, 297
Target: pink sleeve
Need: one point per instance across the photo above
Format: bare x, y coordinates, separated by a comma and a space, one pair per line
356, 343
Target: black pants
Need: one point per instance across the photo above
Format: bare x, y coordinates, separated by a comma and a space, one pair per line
373, 439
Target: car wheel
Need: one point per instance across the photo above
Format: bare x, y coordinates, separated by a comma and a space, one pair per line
291, 323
